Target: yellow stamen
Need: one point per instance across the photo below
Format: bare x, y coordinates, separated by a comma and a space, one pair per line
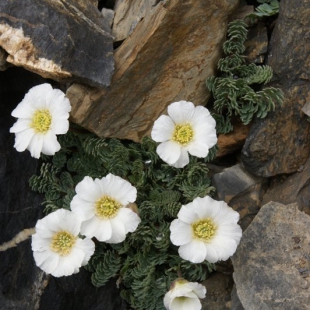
204, 230
41, 121
63, 242
183, 134
107, 207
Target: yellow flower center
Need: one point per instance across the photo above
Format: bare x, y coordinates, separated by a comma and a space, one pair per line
107, 207
63, 242
204, 230
183, 134
41, 121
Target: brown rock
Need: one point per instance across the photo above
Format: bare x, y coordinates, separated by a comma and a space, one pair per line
232, 141
167, 58
256, 44
219, 287
64, 40
293, 188
128, 14
280, 143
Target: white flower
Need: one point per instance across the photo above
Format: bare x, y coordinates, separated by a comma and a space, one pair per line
101, 203
42, 114
187, 129
56, 247
184, 295
206, 229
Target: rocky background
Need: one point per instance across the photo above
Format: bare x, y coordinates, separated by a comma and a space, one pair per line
121, 62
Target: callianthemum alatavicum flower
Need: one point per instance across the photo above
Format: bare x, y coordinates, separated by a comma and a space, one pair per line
42, 114
187, 129
101, 203
56, 246
184, 295
206, 229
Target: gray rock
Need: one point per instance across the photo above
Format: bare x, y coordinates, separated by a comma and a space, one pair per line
63, 40
272, 262
235, 301
280, 143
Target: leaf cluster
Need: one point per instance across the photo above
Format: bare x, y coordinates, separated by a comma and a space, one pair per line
145, 263
234, 90
265, 9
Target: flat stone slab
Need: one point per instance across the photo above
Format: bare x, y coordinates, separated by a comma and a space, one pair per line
67, 40
272, 262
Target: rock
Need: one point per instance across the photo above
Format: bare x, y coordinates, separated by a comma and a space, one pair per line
3, 63
108, 15
128, 14
272, 264
280, 143
256, 44
233, 181
62, 40
218, 286
235, 301
232, 141
162, 61
241, 190
23, 285
293, 188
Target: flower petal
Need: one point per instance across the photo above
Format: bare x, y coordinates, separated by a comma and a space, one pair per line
88, 247
83, 208
199, 289
169, 152
183, 159
120, 189
21, 125
185, 303
187, 215
130, 219
195, 251
118, 231
35, 145
181, 111
23, 138
50, 144
60, 126
88, 190
163, 129
96, 227
181, 233
47, 260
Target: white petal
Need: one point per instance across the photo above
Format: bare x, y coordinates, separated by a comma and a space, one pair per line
88, 247
60, 126
37, 96
23, 138
183, 159
58, 104
194, 251
163, 129
21, 125
187, 214
167, 299
118, 231
69, 264
185, 304
121, 190
38, 243
130, 219
24, 110
46, 260
35, 145
169, 152
212, 255
50, 144
199, 289
198, 149
224, 246
96, 227
181, 233
88, 190
181, 111
83, 208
